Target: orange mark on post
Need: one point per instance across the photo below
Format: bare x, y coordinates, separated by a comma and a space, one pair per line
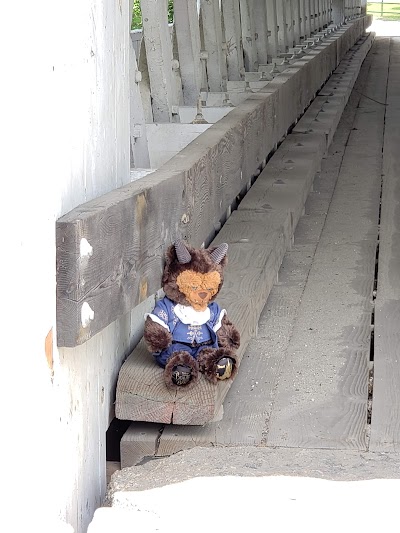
48, 349
143, 289
141, 208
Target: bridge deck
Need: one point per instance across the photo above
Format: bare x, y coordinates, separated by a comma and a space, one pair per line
324, 369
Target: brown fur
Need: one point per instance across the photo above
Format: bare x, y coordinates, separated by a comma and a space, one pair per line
201, 262
228, 335
156, 336
208, 359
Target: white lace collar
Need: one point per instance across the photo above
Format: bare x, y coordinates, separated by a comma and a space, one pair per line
188, 315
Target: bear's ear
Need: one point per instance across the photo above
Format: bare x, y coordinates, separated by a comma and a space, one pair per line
219, 253
182, 253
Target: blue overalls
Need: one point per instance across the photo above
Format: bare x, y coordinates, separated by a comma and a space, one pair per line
187, 337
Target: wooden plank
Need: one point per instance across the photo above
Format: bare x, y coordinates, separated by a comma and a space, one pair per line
186, 22
139, 146
232, 31
248, 36
158, 44
282, 26
139, 441
212, 31
260, 31
322, 397
272, 19
385, 423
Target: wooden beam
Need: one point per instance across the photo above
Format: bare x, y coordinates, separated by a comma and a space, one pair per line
156, 35
261, 31
248, 36
308, 22
282, 25
273, 45
214, 45
289, 23
233, 38
139, 147
296, 21
385, 423
186, 21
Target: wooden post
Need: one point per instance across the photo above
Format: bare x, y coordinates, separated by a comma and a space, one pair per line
318, 15
261, 31
324, 13
188, 38
313, 16
363, 7
296, 10
272, 28
233, 38
212, 31
139, 147
307, 18
337, 11
289, 23
157, 39
282, 26
248, 36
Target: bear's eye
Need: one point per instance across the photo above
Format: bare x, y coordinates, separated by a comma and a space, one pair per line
194, 288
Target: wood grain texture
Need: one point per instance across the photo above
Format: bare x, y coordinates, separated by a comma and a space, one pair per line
283, 187
128, 228
385, 423
139, 441
322, 396
249, 401
141, 393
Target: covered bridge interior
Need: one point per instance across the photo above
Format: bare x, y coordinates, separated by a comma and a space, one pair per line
267, 125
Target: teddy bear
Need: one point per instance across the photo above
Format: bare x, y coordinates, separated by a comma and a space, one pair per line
187, 332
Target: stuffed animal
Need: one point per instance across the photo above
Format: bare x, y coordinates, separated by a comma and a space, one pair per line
187, 331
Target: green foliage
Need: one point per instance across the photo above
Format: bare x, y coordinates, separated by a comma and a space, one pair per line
384, 10
137, 14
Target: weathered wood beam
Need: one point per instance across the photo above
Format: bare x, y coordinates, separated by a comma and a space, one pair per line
248, 36
289, 23
215, 46
233, 38
139, 148
307, 15
157, 40
282, 26
261, 31
188, 38
273, 45
296, 21
338, 12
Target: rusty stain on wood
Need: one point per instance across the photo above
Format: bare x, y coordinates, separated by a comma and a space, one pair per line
143, 289
48, 348
141, 208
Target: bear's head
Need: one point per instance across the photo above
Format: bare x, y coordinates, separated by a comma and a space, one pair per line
194, 276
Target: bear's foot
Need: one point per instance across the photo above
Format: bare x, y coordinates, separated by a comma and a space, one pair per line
181, 374
181, 371
217, 364
225, 368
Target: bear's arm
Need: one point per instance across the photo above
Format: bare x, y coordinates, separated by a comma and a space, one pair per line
228, 335
156, 336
